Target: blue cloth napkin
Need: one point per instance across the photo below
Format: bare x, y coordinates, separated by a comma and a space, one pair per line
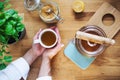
80, 60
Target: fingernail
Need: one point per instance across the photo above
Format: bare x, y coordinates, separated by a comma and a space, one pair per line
62, 45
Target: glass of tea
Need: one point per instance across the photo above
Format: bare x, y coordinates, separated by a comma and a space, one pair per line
88, 48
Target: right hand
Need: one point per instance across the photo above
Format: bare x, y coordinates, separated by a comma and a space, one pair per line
50, 53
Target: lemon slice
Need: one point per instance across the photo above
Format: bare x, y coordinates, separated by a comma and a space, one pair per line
78, 6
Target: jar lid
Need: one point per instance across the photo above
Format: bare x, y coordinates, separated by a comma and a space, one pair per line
31, 4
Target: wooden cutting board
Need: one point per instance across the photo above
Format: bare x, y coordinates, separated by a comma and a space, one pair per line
96, 19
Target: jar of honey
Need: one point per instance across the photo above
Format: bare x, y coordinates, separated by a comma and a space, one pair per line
49, 11
88, 48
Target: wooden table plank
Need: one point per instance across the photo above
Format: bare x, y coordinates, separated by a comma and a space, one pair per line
105, 67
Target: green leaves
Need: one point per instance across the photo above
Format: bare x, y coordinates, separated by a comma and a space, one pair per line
9, 30
2, 66
11, 12
8, 6
1, 6
20, 27
4, 5
7, 58
3, 50
12, 22
4, 57
2, 21
2, 39
10, 27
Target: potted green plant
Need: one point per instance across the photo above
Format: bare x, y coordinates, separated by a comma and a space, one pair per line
11, 30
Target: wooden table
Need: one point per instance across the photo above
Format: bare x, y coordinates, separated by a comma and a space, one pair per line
105, 67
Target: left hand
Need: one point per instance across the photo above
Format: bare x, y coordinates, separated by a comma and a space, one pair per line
36, 47
34, 52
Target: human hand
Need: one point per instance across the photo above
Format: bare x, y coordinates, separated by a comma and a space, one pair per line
45, 69
34, 52
36, 47
50, 53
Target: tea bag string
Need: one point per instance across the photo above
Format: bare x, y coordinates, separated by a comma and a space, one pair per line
94, 38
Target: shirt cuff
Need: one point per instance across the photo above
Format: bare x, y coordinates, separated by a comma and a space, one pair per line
44, 78
22, 66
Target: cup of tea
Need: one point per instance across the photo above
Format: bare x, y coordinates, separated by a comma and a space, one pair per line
47, 38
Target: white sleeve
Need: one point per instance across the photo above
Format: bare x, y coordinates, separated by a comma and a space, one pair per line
44, 78
15, 70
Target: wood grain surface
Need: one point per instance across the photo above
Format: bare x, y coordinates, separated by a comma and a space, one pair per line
99, 16
105, 67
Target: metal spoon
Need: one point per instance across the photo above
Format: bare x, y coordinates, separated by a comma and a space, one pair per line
50, 10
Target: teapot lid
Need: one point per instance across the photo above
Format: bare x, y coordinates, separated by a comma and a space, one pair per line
31, 4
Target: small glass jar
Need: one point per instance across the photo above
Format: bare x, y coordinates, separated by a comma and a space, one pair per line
49, 11
87, 48
31, 5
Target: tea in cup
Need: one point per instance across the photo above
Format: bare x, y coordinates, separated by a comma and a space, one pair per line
47, 38
88, 48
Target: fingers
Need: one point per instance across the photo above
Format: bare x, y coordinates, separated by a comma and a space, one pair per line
59, 38
40, 30
37, 35
53, 27
57, 31
56, 50
58, 47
